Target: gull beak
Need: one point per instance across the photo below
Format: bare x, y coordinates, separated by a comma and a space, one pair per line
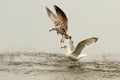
50, 30
53, 28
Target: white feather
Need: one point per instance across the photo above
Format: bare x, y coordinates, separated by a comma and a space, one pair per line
74, 53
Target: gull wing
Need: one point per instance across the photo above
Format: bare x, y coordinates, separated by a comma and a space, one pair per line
62, 17
82, 44
52, 16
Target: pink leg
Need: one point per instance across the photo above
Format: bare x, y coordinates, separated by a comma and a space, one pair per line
62, 40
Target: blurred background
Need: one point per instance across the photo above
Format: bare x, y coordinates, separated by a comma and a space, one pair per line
24, 25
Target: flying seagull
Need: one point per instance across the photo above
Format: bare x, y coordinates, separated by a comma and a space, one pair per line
74, 53
60, 22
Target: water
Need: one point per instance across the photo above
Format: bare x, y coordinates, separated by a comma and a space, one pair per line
49, 66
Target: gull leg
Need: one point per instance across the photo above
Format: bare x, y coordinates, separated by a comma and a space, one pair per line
62, 39
73, 65
79, 64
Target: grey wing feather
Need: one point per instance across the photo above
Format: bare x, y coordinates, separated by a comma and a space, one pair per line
82, 44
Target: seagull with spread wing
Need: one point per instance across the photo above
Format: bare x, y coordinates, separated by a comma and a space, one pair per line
74, 53
60, 21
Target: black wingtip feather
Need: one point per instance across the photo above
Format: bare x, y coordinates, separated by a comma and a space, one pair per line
96, 39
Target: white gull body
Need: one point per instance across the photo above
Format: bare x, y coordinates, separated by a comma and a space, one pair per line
74, 53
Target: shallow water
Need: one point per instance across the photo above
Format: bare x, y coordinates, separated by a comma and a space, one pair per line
48, 66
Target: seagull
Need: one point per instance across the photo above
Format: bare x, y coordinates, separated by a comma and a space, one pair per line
60, 22
74, 53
